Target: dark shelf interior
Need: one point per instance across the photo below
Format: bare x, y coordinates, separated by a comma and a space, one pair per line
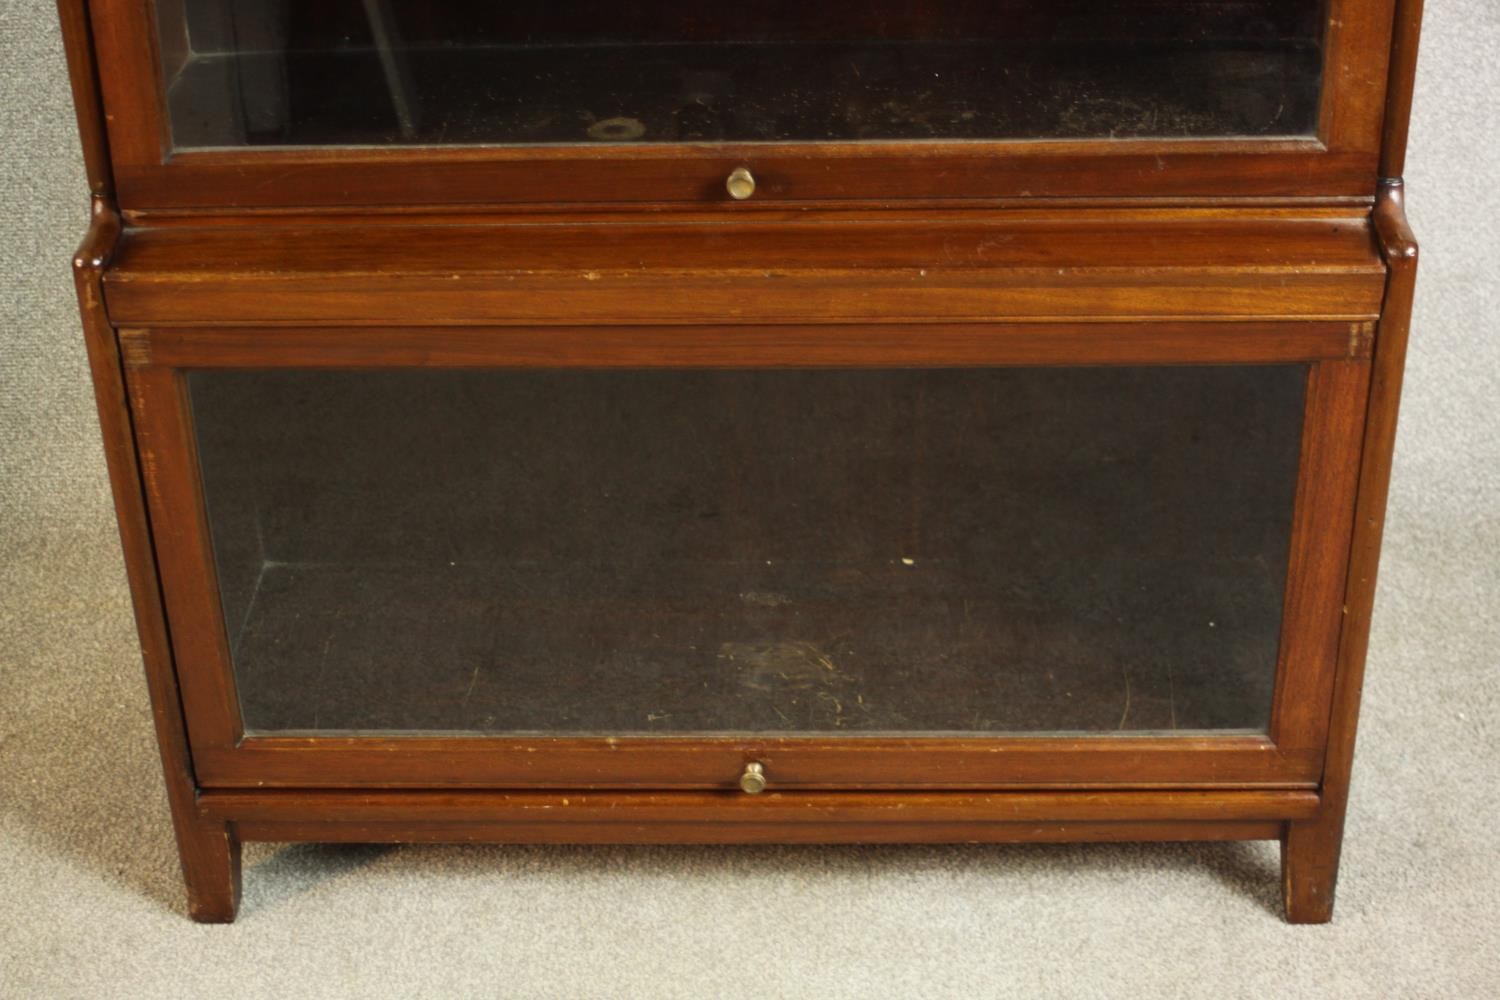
757, 93
1022, 550
379, 72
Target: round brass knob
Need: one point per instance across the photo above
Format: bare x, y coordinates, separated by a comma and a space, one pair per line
741, 183
753, 781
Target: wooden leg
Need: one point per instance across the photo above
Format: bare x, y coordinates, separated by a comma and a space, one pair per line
1310, 850
209, 849
1310, 868
211, 867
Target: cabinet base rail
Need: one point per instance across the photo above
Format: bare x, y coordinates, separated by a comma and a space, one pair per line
225, 818
718, 815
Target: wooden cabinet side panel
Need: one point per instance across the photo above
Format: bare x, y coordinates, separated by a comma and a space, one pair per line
1403, 78
208, 849
78, 44
1311, 849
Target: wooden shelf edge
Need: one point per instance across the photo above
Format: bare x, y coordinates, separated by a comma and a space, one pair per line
1068, 265
732, 817
786, 832
791, 345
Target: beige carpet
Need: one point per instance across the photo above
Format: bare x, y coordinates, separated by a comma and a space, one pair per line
90, 901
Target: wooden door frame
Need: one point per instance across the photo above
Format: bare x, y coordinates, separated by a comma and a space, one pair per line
157, 361
1340, 161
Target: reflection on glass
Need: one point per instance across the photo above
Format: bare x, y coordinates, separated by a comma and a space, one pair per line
352, 72
1014, 550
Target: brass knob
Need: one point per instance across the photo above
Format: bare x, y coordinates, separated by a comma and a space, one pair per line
753, 781
741, 183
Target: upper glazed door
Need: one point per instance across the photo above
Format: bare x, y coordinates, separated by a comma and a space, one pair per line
252, 103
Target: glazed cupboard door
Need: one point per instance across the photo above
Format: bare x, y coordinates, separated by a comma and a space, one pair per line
391, 557
598, 102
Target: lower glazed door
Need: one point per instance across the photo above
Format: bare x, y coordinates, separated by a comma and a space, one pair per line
1029, 556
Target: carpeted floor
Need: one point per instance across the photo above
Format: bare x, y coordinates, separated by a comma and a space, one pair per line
90, 900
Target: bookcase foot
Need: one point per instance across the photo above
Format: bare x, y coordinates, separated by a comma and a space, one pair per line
1310, 870
211, 869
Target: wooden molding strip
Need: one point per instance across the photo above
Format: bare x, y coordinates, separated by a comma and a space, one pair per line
732, 817
971, 267
799, 346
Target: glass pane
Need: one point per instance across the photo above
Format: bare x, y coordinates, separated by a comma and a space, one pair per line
1011, 550
354, 72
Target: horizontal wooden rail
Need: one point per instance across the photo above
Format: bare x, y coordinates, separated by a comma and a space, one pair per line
730, 817
966, 267
800, 346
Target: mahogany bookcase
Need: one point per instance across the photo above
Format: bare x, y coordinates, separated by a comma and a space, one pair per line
879, 422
